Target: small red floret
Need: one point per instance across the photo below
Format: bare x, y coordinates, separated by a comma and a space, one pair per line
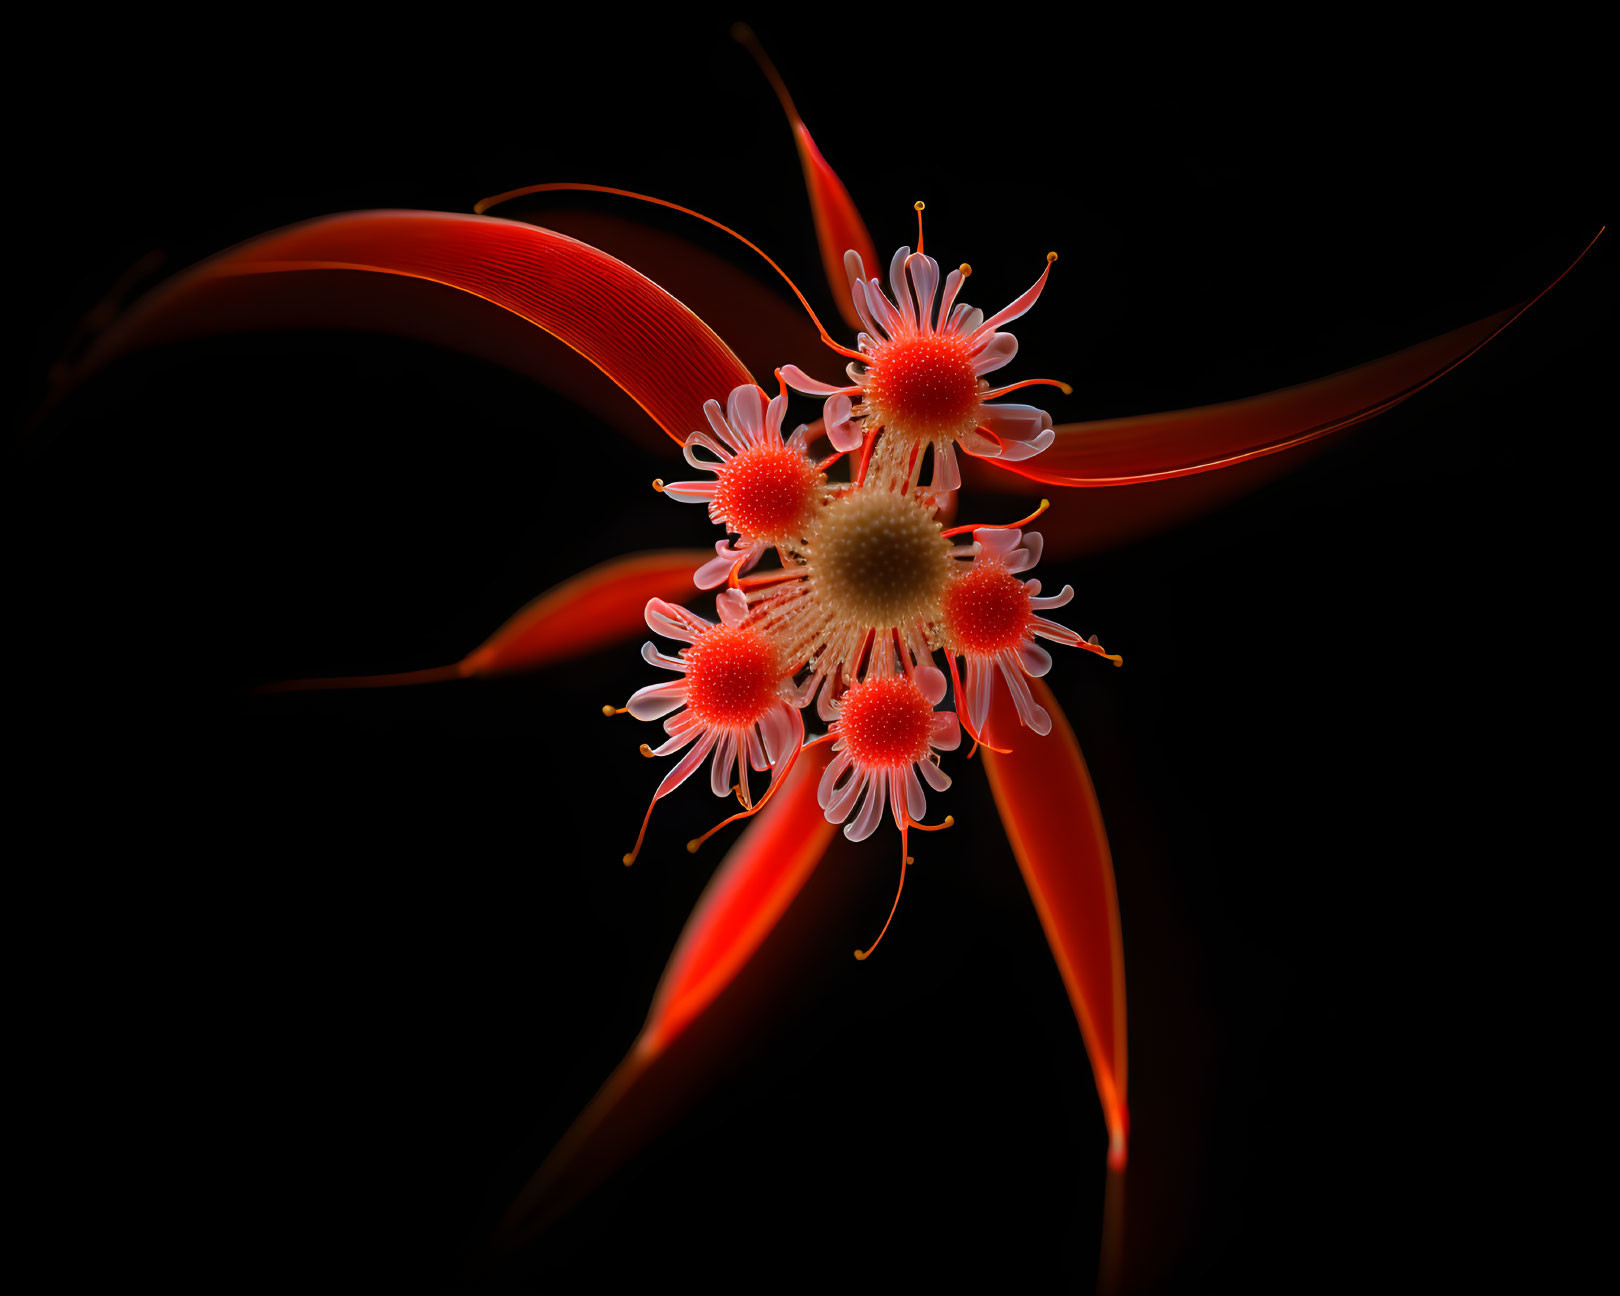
765, 492
731, 676
925, 385
885, 722
986, 609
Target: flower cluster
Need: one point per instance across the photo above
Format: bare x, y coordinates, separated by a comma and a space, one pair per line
869, 585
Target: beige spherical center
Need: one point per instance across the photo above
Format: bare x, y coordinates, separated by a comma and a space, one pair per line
878, 559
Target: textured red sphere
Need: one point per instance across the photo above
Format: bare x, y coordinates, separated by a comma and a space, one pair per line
885, 722
986, 609
731, 676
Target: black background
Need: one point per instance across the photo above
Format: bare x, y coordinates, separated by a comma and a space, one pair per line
307, 985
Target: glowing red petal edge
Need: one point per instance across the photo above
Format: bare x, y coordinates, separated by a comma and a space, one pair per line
1156, 447
655, 349
600, 606
743, 902
839, 227
1049, 809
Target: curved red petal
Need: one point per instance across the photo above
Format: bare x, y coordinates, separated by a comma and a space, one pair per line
839, 227
681, 1043
601, 605
747, 895
761, 324
649, 344
1156, 447
1050, 811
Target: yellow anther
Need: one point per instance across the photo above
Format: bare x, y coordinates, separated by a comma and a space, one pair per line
658, 485
646, 750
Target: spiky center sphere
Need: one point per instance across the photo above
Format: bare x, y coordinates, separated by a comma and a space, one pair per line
731, 676
986, 609
877, 559
765, 492
923, 387
885, 722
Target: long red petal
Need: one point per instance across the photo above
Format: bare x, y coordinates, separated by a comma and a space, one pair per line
683, 1040
839, 227
599, 606
661, 354
1050, 811
762, 326
746, 897
1156, 447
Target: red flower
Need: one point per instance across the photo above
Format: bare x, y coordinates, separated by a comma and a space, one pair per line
673, 364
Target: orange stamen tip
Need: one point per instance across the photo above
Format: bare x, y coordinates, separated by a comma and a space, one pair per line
692, 846
965, 269
919, 204
658, 485
1065, 389
1051, 257
629, 859
611, 710
646, 751
1115, 658
860, 955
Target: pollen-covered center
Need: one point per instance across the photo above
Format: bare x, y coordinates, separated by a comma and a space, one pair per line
924, 386
877, 559
765, 492
986, 609
885, 722
731, 676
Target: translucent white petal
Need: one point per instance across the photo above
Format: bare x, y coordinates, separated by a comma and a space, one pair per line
829, 779
1033, 658
725, 755
931, 681
688, 764
901, 288
651, 655
800, 381
997, 353
1030, 712
1015, 451
844, 432
905, 780
745, 410
925, 275
871, 810
674, 622
936, 777
657, 699
732, 605
1014, 422
690, 492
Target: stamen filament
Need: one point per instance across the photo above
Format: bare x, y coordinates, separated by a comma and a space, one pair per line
693, 845
574, 187
860, 955
1028, 382
1008, 526
866, 455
